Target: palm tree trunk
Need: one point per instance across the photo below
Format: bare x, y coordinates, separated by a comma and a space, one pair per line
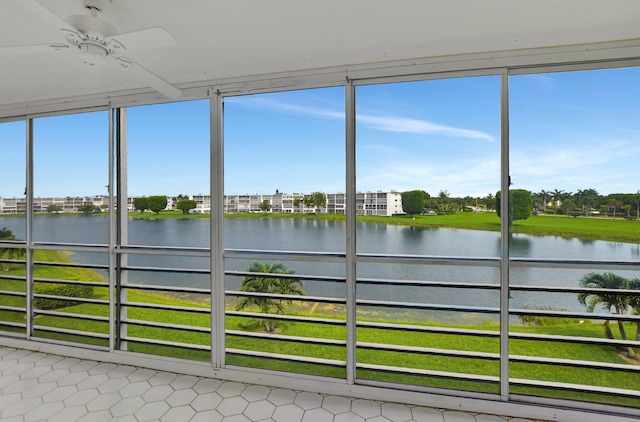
623, 333
607, 330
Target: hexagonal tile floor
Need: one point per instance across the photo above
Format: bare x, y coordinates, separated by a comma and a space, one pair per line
42, 387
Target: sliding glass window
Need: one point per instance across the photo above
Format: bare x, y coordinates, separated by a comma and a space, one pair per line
13, 227
428, 157
284, 205
70, 218
574, 282
164, 286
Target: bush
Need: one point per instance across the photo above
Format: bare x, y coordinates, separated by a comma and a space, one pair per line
59, 289
545, 321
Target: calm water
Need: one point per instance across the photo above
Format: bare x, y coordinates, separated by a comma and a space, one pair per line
328, 236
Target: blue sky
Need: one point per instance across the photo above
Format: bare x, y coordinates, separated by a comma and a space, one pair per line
568, 131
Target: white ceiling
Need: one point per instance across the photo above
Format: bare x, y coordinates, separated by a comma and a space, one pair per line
235, 38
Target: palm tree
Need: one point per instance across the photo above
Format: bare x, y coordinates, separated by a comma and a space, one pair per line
616, 302
634, 303
263, 283
11, 253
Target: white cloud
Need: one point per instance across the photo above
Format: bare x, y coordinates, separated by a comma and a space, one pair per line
395, 124
406, 125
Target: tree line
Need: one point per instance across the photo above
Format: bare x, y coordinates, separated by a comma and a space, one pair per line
585, 202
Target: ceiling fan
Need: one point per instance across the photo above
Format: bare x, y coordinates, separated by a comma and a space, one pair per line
98, 41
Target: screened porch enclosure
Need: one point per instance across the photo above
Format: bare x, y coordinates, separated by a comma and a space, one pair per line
479, 309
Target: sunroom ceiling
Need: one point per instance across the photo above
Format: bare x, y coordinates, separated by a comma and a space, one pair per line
224, 39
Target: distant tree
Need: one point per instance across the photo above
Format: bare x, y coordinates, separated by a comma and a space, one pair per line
568, 205
263, 283
613, 205
315, 200
157, 203
265, 206
520, 204
88, 208
54, 208
444, 200
319, 199
186, 205
297, 202
413, 202
141, 204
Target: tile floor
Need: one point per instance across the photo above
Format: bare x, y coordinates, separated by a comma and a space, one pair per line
42, 387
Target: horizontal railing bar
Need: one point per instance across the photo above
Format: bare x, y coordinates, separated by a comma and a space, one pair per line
12, 309
167, 343
575, 387
570, 339
555, 289
167, 270
13, 261
12, 293
73, 282
71, 299
71, 315
291, 358
165, 307
424, 328
419, 283
71, 265
582, 315
162, 250
12, 277
291, 276
144, 323
71, 332
426, 372
13, 244
570, 263
295, 298
428, 351
413, 305
294, 339
424, 259
574, 363
285, 255
325, 321
84, 247
171, 289
13, 324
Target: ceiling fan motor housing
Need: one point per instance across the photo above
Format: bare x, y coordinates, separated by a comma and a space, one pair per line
93, 54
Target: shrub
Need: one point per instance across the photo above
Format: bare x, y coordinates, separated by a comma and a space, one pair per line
60, 289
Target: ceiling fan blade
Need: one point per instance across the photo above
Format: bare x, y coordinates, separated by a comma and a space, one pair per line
46, 15
21, 50
145, 39
151, 79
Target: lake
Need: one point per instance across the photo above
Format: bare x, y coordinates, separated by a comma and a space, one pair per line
328, 236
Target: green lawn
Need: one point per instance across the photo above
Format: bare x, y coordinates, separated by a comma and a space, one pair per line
592, 228
575, 227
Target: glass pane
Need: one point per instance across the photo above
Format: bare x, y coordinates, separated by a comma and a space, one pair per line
427, 169
167, 305
71, 301
168, 174
13, 176
573, 160
71, 175
284, 175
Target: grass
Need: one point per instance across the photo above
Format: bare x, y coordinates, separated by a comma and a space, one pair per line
589, 228
462, 365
